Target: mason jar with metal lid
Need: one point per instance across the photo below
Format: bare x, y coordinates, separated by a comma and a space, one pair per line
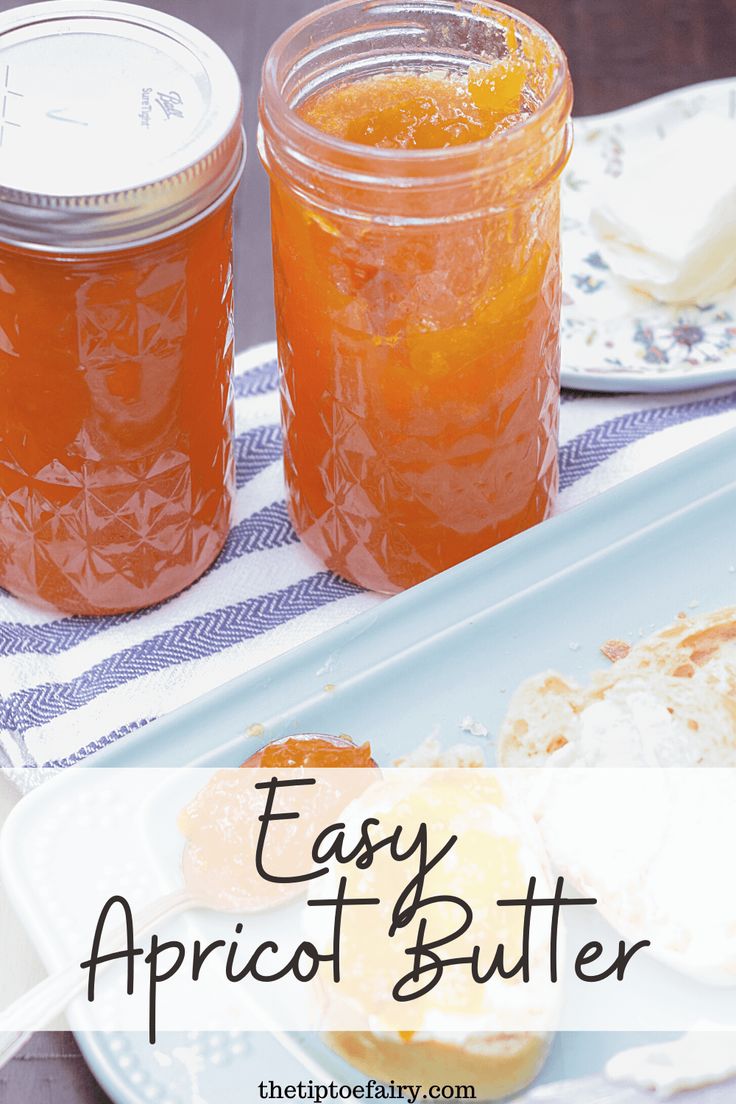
121, 146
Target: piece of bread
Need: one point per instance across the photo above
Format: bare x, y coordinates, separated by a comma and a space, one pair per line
670, 702
541, 718
651, 850
495, 1065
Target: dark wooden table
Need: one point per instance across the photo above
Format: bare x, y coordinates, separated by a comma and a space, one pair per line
620, 51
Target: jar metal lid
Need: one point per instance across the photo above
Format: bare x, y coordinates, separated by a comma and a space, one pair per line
118, 124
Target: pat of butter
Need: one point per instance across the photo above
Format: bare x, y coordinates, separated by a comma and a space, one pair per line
668, 224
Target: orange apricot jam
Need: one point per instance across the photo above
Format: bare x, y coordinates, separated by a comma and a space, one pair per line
223, 823
421, 111
314, 751
116, 472
417, 288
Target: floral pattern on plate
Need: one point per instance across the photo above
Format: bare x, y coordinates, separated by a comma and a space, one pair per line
613, 337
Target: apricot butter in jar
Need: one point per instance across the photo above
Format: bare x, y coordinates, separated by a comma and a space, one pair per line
121, 146
414, 150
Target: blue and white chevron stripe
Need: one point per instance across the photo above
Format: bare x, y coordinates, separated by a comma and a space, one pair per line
70, 686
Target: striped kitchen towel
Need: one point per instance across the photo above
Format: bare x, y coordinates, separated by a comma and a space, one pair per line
69, 686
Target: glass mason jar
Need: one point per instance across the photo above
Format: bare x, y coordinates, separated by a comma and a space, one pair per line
116, 313
417, 295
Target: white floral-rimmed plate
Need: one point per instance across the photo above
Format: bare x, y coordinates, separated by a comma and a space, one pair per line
615, 338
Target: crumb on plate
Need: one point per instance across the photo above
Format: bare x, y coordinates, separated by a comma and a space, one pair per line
615, 650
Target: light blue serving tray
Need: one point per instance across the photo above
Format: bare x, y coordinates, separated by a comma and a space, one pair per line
455, 647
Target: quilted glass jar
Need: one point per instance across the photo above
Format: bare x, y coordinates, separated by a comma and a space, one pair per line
414, 151
120, 149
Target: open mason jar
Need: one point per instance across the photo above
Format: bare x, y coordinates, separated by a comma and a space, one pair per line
417, 281
120, 149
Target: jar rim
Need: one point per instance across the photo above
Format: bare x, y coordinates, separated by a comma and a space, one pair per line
556, 104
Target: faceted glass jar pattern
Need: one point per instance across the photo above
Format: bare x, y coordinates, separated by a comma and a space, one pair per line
116, 467
420, 395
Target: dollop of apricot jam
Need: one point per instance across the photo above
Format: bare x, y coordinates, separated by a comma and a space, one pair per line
312, 752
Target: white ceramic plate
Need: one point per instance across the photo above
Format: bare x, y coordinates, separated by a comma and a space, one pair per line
614, 338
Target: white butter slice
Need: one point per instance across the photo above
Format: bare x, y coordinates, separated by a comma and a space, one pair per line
668, 224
